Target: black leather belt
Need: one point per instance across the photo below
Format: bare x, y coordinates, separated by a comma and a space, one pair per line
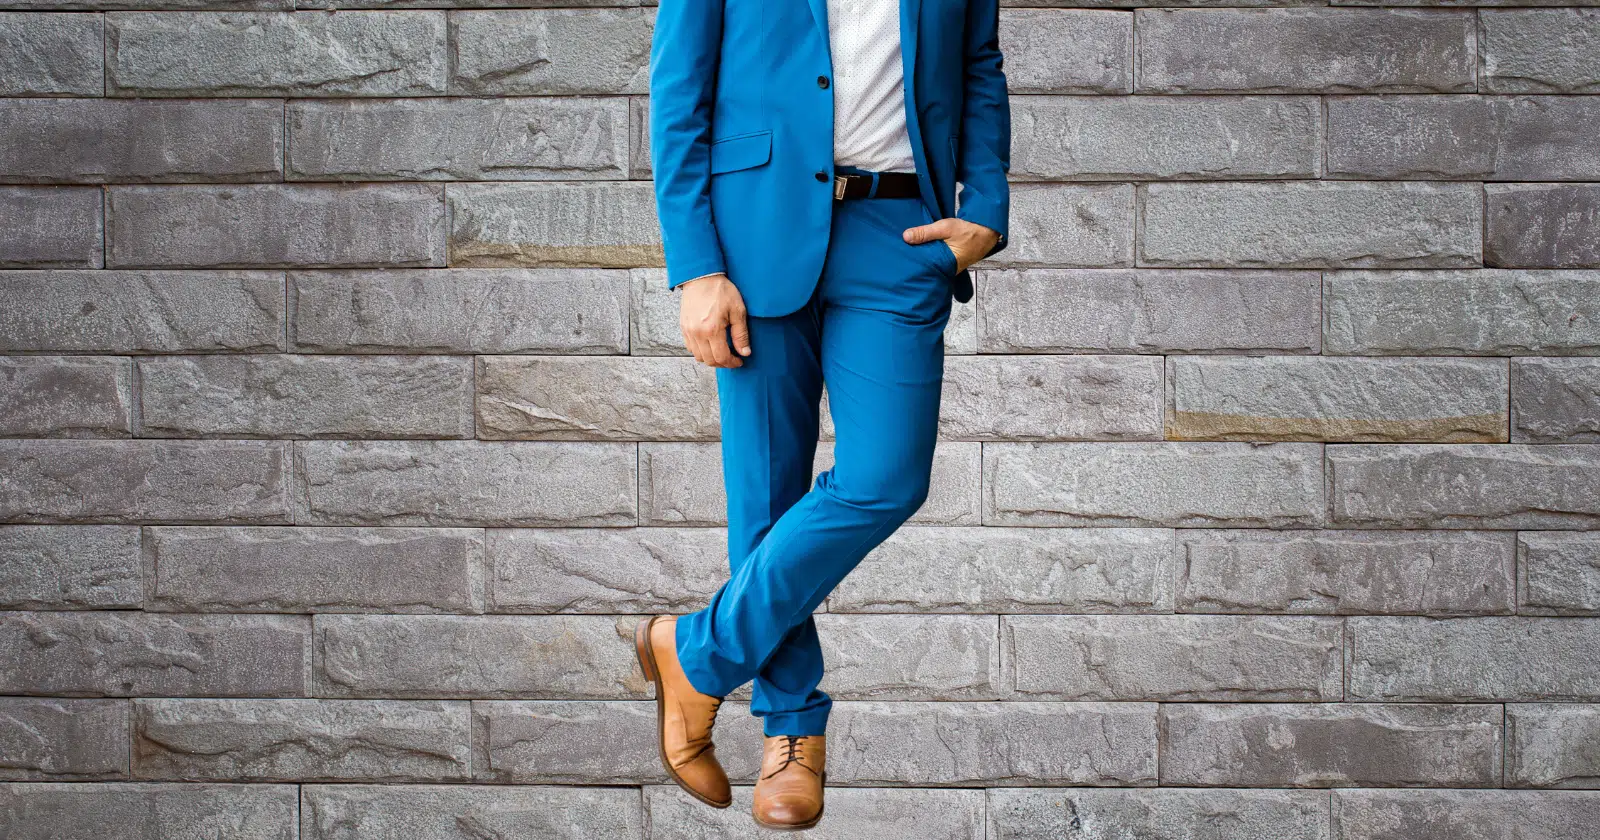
890, 185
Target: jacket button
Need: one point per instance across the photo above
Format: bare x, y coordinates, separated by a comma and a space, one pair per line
822, 82
822, 176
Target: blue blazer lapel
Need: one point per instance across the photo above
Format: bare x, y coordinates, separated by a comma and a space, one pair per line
909, 10
819, 10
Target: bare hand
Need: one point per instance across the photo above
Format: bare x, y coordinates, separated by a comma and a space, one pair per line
708, 308
969, 241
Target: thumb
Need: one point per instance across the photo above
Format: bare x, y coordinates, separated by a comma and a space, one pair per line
740, 329
927, 233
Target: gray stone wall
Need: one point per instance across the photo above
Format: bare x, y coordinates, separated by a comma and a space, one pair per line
345, 432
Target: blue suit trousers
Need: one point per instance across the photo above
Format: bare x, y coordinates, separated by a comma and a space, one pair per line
873, 332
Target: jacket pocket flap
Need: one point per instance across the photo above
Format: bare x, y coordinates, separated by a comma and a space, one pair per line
741, 152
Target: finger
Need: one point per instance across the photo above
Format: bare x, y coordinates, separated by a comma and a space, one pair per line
927, 233
721, 353
697, 346
741, 332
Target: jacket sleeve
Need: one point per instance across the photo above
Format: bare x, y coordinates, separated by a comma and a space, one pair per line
985, 126
683, 79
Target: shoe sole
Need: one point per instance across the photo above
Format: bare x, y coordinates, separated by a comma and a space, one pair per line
647, 663
790, 827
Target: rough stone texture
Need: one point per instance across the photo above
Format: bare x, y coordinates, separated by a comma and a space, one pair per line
45, 738
549, 398
301, 740
455, 812
894, 657
1526, 138
1555, 400
1144, 814
65, 396
603, 570
460, 311
1552, 745
610, 225
1051, 398
50, 54
1176, 657
1539, 50
293, 570
1069, 225
1486, 312
1559, 573
51, 227
1346, 572
1330, 745
1484, 659
82, 811
69, 567
529, 52
1067, 51
1317, 398
1463, 815
1542, 225
1473, 485
852, 814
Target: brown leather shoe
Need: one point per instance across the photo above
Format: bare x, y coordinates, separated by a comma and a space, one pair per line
789, 790
684, 717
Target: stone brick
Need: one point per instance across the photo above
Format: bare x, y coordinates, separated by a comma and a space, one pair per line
141, 311
1472, 485
294, 396
1156, 814
458, 812
51, 227
1330, 745
1489, 312
118, 654
639, 163
268, 225
67, 567
1003, 570
1319, 398
302, 740
458, 139
1553, 745
391, 53
1555, 400
1174, 657
1069, 225
466, 483
50, 54
47, 738
138, 811
1051, 398
1153, 484
488, 657
1539, 50
1067, 51
1463, 815
1158, 137
314, 569
607, 225
911, 657
98, 141
531, 52
852, 814
1148, 311
1542, 225
1311, 224
682, 484
1559, 573
1305, 50
550, 398
1345, 572
1473, 659
1514, 138
460, 311
604, 570
124, 481
65, 396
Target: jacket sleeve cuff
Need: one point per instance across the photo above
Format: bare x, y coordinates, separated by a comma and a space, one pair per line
979, 209
676, 286
679, 273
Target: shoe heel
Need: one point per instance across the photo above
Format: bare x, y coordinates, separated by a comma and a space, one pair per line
641, 646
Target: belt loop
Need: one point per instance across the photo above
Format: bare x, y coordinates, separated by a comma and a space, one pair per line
873, 192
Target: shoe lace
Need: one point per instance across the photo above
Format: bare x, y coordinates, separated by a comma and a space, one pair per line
791, 755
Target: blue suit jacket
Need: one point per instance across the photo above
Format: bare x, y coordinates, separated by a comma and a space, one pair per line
741, 135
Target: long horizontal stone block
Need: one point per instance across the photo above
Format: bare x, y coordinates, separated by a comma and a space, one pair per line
851, 814
301, 740
1308, 50
1330, 745
51, 54
1001, 570
48, 738
51, 227
460, 311
572, 225
1473, 659
1553, 745
1542, 225
1472, 485
532, 52
1498, 138
1311, 224
1165, 137
603, 570
624, 398
1148, 311
1320, 398
1157, 814
65, 396
459, 812
127, 481
297, 570
1051, 398
351, 53
911, 657
141, 811
1153, 484
1069, 226
465, 483
1335, 572
273, 225
295, 396
1555, 400
458, 139
1539, 50
1488, 312
1067, 50
1174, 657
1463, 814
1559, 573
68, 567
117, 654
141, 311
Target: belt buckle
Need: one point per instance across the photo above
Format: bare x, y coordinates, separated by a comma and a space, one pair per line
839, 185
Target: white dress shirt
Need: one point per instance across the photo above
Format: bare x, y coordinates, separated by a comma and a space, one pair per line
869, 95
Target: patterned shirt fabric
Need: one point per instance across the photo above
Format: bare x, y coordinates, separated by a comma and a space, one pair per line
869, 96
